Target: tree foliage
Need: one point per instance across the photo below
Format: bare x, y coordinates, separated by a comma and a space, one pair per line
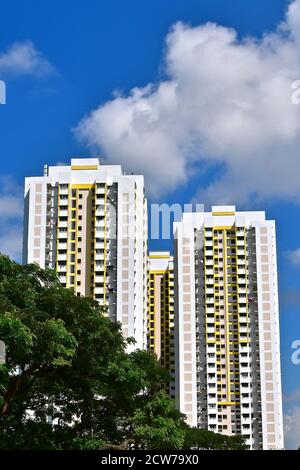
157, 423
69, 382
203, 439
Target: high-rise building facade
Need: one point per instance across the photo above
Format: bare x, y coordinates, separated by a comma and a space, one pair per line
228, 377
88, 221
160, 314
210, 315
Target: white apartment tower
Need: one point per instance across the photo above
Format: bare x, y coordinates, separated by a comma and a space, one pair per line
88, 221
228, 376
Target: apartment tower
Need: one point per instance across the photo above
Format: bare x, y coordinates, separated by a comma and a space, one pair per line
160, 338
228, 377
88, 221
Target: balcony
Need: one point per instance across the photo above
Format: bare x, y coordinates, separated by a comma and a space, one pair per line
99, 245
209, 271
60, 246
241, 271
63, 191
209, 291
99, 266
62, 234
242, 290
63, 224
210, 310
210, 330
243, 310
61, 269
98, 290
100, 190
62, 257
63, 212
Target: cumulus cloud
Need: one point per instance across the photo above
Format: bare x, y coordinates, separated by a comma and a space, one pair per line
292, 428
225, 101
11, 215
293, 256
22, 58
10, 206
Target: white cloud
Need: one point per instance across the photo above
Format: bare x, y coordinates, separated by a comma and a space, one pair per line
293, 17
10, 207
11, 215
292, 428
22, 58
224, 100
293, 256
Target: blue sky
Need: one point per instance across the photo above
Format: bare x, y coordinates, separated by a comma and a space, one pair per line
60, 60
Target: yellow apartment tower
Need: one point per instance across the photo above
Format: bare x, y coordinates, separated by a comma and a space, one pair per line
160, 324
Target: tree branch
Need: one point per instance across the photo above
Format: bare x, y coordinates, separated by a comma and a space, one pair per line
123, 446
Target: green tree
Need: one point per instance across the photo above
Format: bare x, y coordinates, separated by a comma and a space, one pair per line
68, 381
203, 439
158, 424
66, 362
